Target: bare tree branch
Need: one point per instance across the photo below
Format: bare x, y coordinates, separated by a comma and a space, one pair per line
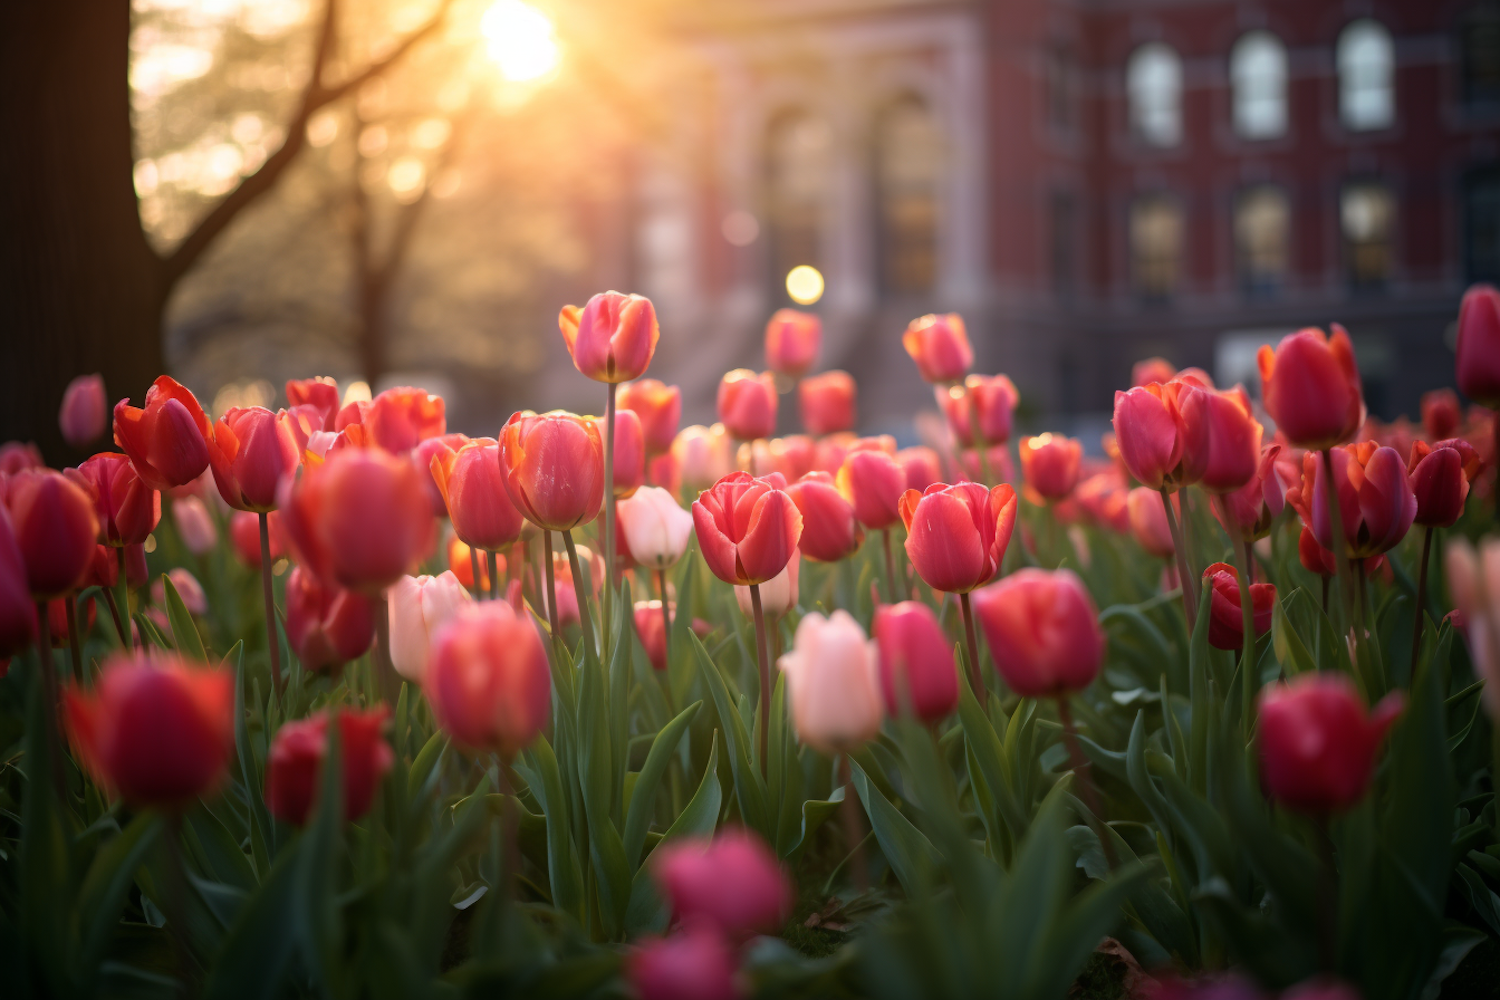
316, 95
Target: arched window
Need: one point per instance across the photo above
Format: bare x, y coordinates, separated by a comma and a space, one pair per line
798, 151
1367, 216
1156, 243
1367, 76
1153, 85
1262, 231
1479, 45
1257, 75
908, 165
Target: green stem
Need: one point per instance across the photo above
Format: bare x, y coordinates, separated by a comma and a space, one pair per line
477, 590
580, 591
1416, 628
762, 661
494, 568
1189, 590
890, 569
122, 584
1086, 789
609, 515
272, 644
666, 633
1340, 545
853, 830
551, 583
71, 602
971, 646
51, 696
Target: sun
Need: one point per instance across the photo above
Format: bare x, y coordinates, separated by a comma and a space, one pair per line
520, 40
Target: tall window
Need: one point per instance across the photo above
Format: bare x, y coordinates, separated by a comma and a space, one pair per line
1257, 75
1367, 76
1367, 215
1153, 84
1479, 50
1482, 224
798, 148
1063, 225
1156, 243
1262, 238
908, 165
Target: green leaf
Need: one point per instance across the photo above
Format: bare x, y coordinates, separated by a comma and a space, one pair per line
427, 759
562, 860
259, 944
643, 797
1290, 649
911, 855
646, 912
108, 882
991, 756
151, 633
184, 632
749, 788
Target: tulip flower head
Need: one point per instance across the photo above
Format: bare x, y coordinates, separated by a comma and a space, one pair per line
1148, 522
1478, 348
1050, 465
1318, 743
250, 451
827, 402
1376, 500
833, 683
1474, 581
195, 526
704, 455
431, 450
630, 452
940, 347
732, 883
778, 595
474, 492
1441, 416
956, 535
659, 408
325, 625
1311, 388
917, 670
874, 482
488, 680
188, 589
1438, 481
397, 420
155, 729
167, 439
1155, 442
985, 401
553, 466
655, 526
244, 533
1043, 632
1222, 444
1253, 507
1226, 627
128, 510
612, 338
695, 963
652, 631
84, 410
17, 612
747, 528
747, 404
294, 767
830, 530
418, 607
793, 339
317, 398
922, 466
1150, 370
55, 528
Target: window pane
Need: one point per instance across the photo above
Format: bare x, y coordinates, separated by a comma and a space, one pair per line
1367, 76
1367, 214
1482, 224
908, 167
1480, 46
1154, 90
1257, 72
798, 151
1156, 235
1262, 231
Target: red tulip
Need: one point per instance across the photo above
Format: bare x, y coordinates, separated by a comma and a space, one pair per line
1150, 370
360, 520
17, 612
1255, 505
793, 339
793, 456
1318, 743
663, 471
1105, 500
747, 404
1224, 450
630, 453
55, 527
325, 625
733, 883
612, 338
553, 466
1438, 482
168, 438
1043, 632
1316, 559
922, 466
652, 631
659, 407
827, 402
104, 571
320, 395
16, 456
488, 680
250, 451
1155, 441
397, 420
128, 510
874, 483
957, 535
1310, 385
57, 619
473, 489
696, 963
1441, 415
1478, 347
939, 346
154, 729
84, 410
994, 397
1376, 501
1050, 464
244, 533
747, 528
1226, 627
917, 671
830, 531
294, 767
1148, 522
422, 457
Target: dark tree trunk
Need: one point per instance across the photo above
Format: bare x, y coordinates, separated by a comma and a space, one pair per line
80, 289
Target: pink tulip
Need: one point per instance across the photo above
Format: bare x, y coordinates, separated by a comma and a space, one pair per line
435, 449
167, 439
940, 347
188, 588
320, 398
55, 528
732, 883
917, 671
659, 408
326, 626
251, 451
195, 526
1438, 481
612, 338
956, 536
1226, 627
1227, 434
703, 456
833, 683
1043, 632
747, 404
827, 402
1153, 437
84, 410
1148, 522
874, 483
1050, 465
1150, 370
553, 467
993, 398
1478, 350
1310, 385
922, 466
1318, 743
655, 527
830, 531
488, 680
747, 528
1376, 501
473, 490
1474, 581
128, 510
793, 339
418, 607
696, 963
1254, 506
630, 452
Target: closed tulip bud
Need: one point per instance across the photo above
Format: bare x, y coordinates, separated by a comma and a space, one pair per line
1148, 522
154, 729
956, 535
630, 452
326, 626
553, 466
188, 588
655, 527
1105, 500
84, 410
105, 569
1312, 555
1050, 465
940, 347
733, 883
320, 394
1226, 626
195, 526
17, 613
659, 408
793, 339
1043, 632
294, 767
1224, 450
827, 402
474, 493
830, 531
833, 683
993, 398
695, 963
399, 419
1253, 507
917, 672
747, 404
612, 338
703, 456
793, 456
128, 510
778, 595
431, 450
747, 528
1153, 437
922, 467
831, 452
244, 534
1441, 415
167, 439
17, 456
662, 470
874, 483
1150, 370
652, 631
55, 527
1310, 385
250, 451
361, 519
1375, 499
1439, 484
418, 607
488, 680
1318, 743
1478, 348
1474, 581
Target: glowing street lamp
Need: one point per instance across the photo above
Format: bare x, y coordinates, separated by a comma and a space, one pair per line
804, 283
519, 40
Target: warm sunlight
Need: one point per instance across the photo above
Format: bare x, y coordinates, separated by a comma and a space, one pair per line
804, 283
520, 40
